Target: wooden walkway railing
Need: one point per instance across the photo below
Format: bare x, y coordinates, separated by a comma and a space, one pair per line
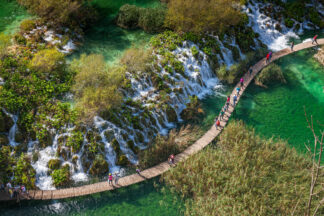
152, 172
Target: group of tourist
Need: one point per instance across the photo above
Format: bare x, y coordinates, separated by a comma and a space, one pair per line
111, 178
13, 191
314, 40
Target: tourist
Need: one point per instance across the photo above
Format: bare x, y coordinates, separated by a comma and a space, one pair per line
238, 89
267, 58
116, 178
23, 189
227, 102
250, 70
242, 82
315, 39
9, 185
138, 170
270, 56
2, 187
222, 114
234, 100
110, 179
292, 46
217, 124
10, 192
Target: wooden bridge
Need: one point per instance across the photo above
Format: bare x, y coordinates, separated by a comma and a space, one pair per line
157, 170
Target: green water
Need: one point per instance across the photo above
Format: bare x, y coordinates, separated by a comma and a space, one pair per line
142, 199
11, 14
105, 38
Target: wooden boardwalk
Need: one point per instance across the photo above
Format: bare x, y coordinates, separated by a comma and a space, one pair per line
157, 170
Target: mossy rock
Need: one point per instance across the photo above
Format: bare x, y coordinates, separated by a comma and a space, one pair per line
19, 137
75, 159
128, 16
110, 135
172, 115
5, 122
4, 140
47, 139
65, 154
139, 137
62, 177
54, 164
35, 156
131, 145
85, 163
99, 166
122, 160
115, 144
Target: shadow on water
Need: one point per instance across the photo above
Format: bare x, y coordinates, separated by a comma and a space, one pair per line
140, 199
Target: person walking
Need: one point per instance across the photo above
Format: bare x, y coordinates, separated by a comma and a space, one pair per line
292, 46
227, 102
250, 70
116, 177
238, 89
242, 82
222, 114
234, 100
315, 39
110, 179
267, 58
217, 124
138, 170
270, 56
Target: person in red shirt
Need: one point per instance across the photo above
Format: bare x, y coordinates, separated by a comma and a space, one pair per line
315, 39
217, 124
227, 102
267, 58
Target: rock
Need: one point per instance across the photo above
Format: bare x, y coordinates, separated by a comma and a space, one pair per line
122, 160
54, 164
19, 137
75, 159
99, 166
172, 115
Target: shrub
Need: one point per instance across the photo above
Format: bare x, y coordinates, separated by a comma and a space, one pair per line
128, 16
61, 177
99, 166
24, 172
270, 74
151, 20
48, 61
194, 51
54, 164
289, 23
137, 60
20, 39
193, 112
75, 141
243, 175
200, 16
27, 25
4, 44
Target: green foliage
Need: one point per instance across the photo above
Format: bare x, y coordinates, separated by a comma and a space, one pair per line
61, 177
194, 51
96, 86
7, 163
99, 166
24, 172
4, 44
61, 12
27, 25
137, 60
270, 74
75, 141
244, 175
54, 164
48, 60
193, 112
21, 40
289, 23
200, 16
151, 20
167, 40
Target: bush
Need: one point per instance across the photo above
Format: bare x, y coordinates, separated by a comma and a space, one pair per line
27, 25
75, 141
4, 44
193, 112
99, 166
20, 39
128, 16
96, 87
243, 175
289, 23
151, 20
24, 173
270, 74
48, 61
137, 60
54, 164
200, 16
61, 177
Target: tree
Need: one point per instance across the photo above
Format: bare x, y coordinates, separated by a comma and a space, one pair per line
200, 16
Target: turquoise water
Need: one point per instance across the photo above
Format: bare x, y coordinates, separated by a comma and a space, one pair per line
105, 38
11, 14
142, 199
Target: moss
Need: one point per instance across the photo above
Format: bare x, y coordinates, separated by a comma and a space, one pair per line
99, 166
75, 141
27, 25
131, 145
122, 160
4, 140
194, 52
272, 73
172, 115
289, 23
35, 156
61, 177
75, 159
5, 122
109, 135
54, 164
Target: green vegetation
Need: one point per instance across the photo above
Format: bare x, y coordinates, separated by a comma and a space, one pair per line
193, 112
27, 25
54, 164
61, 177
236, 71
151, 20
244, 175
61, 12
202, 16
96, 87
75, 141
4, 44
137, 60
99, 166
270, 74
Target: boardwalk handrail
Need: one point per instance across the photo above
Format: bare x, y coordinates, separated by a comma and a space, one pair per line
154, 171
